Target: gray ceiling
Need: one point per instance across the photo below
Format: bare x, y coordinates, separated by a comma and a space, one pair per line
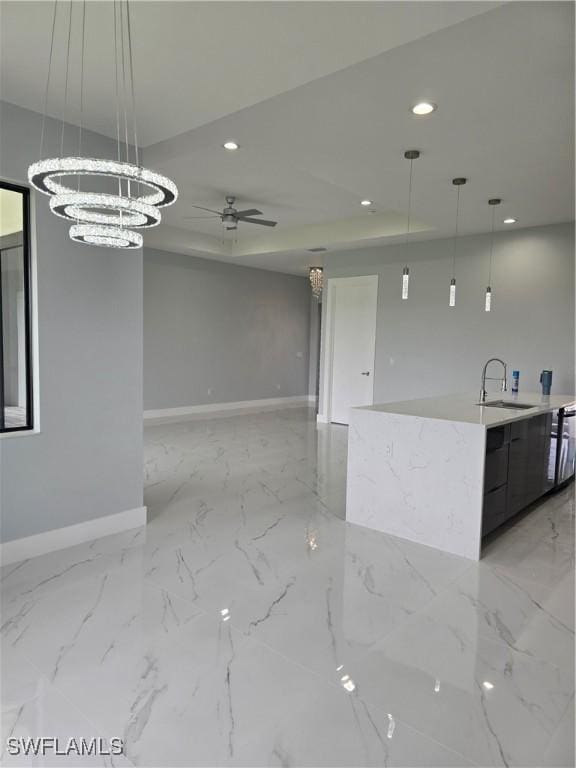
318, 96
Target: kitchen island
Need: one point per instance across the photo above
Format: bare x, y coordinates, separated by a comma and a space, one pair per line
444, 471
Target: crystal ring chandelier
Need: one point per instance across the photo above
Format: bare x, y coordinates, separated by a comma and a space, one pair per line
43, 175
108, 237
103, 218
84, 206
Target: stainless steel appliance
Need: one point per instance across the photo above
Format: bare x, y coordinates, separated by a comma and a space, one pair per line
563, 447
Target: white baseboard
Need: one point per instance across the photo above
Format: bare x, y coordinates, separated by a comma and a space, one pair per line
234, 408
60, 538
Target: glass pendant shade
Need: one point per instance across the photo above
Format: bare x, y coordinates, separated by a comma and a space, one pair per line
405, 282
488, 300
452, 300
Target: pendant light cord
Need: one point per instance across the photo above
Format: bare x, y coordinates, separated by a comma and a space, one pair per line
409, 202
491, 247
66, 80
48, 80
455, 232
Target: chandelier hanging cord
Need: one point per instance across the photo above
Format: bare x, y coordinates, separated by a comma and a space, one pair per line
131, 62
48, 81
66, 78
124, 89
82, 55
117, 92
81, 122
100, 217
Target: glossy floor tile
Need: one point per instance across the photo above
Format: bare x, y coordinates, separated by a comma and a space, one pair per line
250, 625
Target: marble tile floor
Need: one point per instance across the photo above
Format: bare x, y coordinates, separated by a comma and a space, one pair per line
249, 625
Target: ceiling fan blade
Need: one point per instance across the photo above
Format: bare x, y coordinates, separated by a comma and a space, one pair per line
201, 207
264, 222
189, 218
248, 212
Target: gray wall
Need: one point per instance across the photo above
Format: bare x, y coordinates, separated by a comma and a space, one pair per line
424, 347
234, 330
87, 460
314, 364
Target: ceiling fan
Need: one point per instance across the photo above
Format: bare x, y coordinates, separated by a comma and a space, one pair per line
231, 216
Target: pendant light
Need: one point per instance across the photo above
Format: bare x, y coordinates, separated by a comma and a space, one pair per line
494, 201
316, 276
410, 154
458, 182
102, 218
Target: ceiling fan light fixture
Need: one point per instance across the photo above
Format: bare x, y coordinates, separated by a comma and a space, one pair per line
231, 146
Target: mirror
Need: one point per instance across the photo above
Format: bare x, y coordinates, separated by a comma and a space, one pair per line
15, 343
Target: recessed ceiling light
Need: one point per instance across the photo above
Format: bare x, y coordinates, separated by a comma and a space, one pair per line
231, 145
510, 221
366, 202
423, 108
488, 685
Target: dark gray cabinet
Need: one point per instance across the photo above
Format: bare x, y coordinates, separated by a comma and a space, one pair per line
528, 461
516, 470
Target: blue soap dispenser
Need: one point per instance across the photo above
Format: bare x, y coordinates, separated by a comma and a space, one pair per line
515, 382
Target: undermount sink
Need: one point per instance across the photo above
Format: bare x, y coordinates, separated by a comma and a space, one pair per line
507, 405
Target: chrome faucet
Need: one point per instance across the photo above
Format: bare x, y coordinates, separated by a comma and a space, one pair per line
485, 378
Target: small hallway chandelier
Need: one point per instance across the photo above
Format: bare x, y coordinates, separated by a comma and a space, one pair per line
316, 275
102, 218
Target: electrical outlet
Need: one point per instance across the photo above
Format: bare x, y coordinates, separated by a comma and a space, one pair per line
209, 390
278, 386
299, 355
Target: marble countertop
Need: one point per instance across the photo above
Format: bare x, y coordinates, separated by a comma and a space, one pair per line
464, 408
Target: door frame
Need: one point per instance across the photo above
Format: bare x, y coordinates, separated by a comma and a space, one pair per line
328, 338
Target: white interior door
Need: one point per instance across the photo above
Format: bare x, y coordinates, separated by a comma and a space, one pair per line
353, 306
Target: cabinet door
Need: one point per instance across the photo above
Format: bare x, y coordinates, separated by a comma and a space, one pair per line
518, 475
528, 461
539, 435
496, 469
495, 510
